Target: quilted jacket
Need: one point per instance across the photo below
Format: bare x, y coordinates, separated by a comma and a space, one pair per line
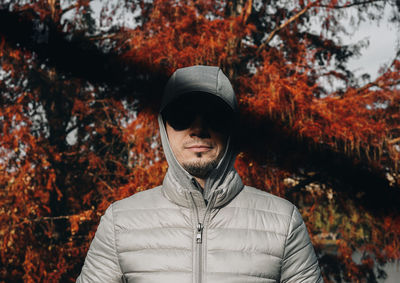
180, 233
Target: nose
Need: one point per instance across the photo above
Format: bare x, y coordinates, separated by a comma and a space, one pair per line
199, 128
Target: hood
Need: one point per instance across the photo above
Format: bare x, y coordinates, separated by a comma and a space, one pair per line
223, 183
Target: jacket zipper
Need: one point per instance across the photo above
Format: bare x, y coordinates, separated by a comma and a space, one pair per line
199, 235
199, 252
199, 241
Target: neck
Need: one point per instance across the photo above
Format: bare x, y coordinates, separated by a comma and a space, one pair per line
201, 182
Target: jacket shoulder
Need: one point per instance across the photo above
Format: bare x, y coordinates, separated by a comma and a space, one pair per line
261, 200
139, 210
151, 198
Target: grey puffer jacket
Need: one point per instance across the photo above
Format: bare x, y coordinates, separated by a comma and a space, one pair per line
178, 233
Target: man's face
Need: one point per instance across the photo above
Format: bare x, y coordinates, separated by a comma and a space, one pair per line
197, 133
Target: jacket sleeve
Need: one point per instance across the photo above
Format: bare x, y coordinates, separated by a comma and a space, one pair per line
300, 264
101, 263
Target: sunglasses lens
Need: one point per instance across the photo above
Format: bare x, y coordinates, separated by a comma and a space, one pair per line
181, 114
180, 119
218, 120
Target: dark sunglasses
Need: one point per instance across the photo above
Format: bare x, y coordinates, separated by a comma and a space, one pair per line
181, 114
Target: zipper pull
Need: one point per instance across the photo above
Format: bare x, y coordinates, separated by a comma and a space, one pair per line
199, 236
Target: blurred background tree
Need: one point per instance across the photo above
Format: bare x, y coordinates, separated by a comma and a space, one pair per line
80, 88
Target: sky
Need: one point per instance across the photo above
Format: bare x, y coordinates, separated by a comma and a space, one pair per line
383, 40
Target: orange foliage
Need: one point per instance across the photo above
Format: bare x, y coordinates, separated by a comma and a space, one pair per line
70, 145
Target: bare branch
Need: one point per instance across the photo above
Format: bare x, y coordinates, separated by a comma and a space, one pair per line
303, 11
393, 141
350, 4
285, 24
379, 82
101, 180
247, 11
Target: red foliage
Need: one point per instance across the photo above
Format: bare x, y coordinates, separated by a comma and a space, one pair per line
70, 146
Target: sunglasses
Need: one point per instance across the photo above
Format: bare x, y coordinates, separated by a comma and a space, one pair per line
181, 114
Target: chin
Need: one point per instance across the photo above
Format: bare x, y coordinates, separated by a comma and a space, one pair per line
200, 167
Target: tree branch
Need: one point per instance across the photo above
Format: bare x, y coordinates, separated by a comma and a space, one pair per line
350, 4
285, 24
393, 141
302, 12
247, 11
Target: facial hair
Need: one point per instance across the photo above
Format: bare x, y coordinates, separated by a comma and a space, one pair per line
200, 169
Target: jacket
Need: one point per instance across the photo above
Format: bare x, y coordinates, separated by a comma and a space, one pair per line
178, 232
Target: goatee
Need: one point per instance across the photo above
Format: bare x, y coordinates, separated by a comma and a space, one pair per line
200, 169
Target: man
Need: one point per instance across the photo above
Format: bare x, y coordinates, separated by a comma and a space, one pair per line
202, 224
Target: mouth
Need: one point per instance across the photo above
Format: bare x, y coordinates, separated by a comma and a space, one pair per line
199, 148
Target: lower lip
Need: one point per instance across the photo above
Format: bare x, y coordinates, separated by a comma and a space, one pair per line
199, 149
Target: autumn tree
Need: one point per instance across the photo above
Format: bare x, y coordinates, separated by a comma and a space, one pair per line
80, 86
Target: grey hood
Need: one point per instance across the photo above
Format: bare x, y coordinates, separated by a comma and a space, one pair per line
223, 183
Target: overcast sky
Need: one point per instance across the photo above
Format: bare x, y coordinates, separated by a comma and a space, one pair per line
383, 43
